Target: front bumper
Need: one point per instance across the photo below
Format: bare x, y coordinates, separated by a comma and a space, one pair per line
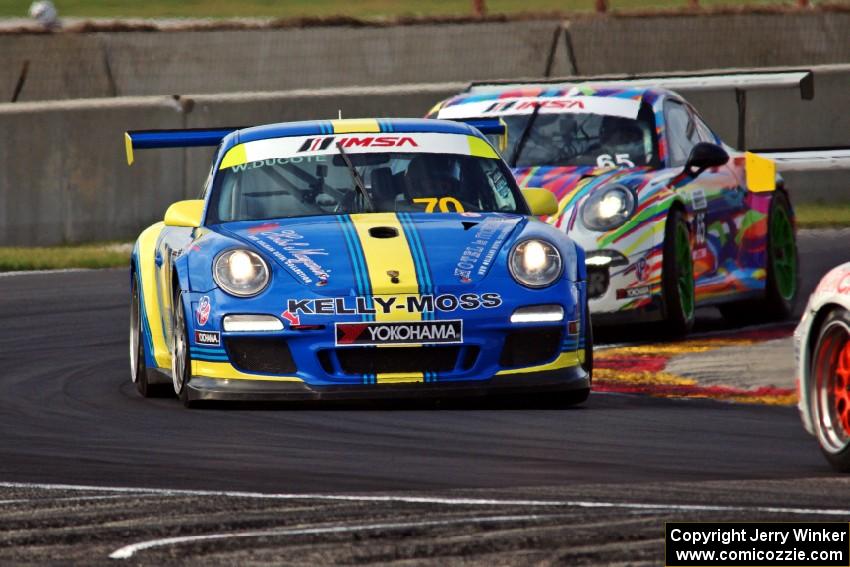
567, 379
629, 292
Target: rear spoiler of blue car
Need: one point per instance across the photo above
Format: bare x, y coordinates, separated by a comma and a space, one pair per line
494, 129
189, 138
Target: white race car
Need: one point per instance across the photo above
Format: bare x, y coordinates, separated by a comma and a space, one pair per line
822, 347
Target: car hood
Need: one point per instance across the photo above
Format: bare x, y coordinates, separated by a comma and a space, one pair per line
571, 184
345, 254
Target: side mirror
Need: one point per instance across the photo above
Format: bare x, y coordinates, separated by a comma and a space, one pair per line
185, 213
541, 201
703, 156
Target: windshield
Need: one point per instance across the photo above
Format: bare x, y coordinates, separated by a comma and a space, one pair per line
322, 183
581, 139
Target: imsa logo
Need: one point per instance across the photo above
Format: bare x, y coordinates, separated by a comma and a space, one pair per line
401, 333
318, 144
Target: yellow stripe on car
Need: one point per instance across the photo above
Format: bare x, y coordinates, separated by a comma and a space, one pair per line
565, 360
147, 249
355, 125
226, 371
388, 259
480, 148
236, 155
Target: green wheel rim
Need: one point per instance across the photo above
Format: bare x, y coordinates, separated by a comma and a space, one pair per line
685, 278
783, 253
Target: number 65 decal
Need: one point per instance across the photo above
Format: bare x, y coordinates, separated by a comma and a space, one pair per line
606, 160
443, 203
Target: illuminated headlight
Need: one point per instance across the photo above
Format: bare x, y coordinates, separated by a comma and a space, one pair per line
249, 323
609, 208
538, 314
241, 272
535, 263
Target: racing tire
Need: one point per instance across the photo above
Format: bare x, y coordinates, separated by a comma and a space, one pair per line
677, 276
782, 281
829, 389
138, 367
181, 359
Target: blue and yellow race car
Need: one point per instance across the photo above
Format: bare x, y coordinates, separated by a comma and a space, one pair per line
356, 258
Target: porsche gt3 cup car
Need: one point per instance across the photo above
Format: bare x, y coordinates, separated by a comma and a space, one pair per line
356, 258
822, 347
670, 216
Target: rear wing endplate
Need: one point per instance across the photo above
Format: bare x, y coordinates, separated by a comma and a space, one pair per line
189, 138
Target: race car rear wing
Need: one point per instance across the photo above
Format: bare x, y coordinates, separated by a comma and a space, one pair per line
494, 129
189, 138
808, 159
741, 80
754, 79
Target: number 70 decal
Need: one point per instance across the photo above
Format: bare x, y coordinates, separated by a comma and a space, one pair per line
443, 203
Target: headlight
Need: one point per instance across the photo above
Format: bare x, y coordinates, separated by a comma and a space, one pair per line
608, 209
241, 272
535, 263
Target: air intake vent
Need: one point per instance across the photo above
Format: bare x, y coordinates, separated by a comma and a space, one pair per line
383, 232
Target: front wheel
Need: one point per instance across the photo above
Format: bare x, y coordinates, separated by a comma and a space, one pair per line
677, 276
181, 362
829, 389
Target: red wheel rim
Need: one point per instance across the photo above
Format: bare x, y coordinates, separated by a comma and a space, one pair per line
840, 392
829, 391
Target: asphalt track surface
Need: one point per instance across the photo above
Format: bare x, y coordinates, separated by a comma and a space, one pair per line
499, 483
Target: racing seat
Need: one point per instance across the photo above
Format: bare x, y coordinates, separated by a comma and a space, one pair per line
382, 185
430, 176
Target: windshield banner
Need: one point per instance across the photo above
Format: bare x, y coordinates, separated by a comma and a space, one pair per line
297, 148
605, 106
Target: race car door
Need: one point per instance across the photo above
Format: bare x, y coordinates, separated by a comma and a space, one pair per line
714, 199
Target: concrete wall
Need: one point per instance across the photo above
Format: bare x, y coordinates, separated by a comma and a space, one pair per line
64, 175
64, 178
82, 65
680, 43
149, 63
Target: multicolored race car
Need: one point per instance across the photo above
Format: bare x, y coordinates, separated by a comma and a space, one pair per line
356, 258
670, 216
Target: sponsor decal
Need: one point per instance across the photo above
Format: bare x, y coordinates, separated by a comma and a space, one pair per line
279, 161
642, 270
529, 105
294, 252
293, 320
632, 292
208, 338
318, 144
401, 333
203, 311
389, 304
573, 103
480, 253
698, 199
